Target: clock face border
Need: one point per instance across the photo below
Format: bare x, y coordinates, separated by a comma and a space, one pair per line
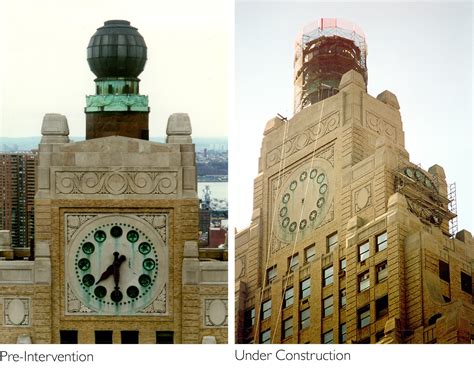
318, 200
154, 302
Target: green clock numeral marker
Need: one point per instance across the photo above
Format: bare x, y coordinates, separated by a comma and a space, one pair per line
144, 248
132, 236
148, 264
100, 291
88, 280
88, 248
84, 264
116, 231
132, 292
144, 280
99, 236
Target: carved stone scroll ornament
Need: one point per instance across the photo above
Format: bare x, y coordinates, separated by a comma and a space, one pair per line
303, 139
116, 182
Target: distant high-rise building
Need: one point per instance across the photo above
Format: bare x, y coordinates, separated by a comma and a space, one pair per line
18, 187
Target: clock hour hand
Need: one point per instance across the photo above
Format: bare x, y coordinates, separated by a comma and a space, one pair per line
106, 273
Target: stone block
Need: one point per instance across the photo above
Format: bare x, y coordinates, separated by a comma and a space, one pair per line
55, 129
5, 238
389, 98
352, 78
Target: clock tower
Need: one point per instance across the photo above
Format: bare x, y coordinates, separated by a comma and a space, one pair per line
116, 223
349, 240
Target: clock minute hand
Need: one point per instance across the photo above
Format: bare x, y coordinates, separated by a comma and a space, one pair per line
116, 267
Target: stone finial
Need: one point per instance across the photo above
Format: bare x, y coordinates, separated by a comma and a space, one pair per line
389, 98
352, 77
55, 129
190, 249
179, 128
397, 200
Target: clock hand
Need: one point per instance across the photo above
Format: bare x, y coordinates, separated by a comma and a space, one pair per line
116, 267
106, 273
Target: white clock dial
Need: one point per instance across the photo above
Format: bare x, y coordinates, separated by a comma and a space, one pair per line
117, 264
303, 200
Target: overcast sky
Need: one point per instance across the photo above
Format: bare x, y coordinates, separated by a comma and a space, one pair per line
45, 69
422, 52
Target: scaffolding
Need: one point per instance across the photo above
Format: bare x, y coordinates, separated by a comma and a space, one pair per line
324, 51
453, 207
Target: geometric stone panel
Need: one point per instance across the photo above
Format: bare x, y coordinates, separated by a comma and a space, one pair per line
362, 198
16, 312
215, 312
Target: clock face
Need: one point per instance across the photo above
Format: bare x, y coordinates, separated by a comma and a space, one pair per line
116, 264
304, 200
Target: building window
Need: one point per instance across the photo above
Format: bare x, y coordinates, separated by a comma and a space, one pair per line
288, 327
310, 253
271, 274
293, 263
466, 283
444, 271
342, 333
266, 309
381, 242
342, 298
164, 337
381, 307
68, 337
363, 316
364, 281
382, 271
265, 336
328, 275
364, 251
342, 265
305, 288
379, 336
288, 298
129, 337
327, 306
327, 337
365, 341
103, 337
331, 241
249, 318
305, 318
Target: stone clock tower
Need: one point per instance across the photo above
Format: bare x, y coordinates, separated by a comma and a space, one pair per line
349, 240
117, 220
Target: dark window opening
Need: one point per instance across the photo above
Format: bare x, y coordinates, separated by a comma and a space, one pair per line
249, 318
446, 299
466, 283
126, 89
68, 337
433, 319
379, 335
381, 307
444, 271
111, 89
103, 337
129, 337
164, 337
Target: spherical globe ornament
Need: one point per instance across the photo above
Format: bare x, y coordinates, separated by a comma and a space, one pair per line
117, 50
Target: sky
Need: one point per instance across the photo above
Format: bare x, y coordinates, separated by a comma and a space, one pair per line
44, 66
422, 52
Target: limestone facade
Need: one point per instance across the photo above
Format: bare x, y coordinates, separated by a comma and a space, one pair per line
349, 240
146, 188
